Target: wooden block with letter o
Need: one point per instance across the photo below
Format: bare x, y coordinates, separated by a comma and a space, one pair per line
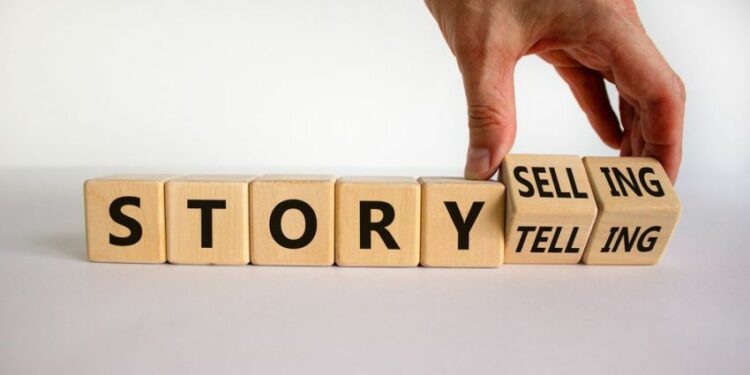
208, 220
462, 222
125, 218
550, 208
638, 210
377, 221
292, 220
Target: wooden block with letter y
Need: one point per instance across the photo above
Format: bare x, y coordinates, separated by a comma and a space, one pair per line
638, 210
550, 208
125, 218
208, 220
377, 221
292, 220
462, 222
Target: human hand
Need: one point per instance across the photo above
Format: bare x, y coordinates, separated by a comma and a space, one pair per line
586, 41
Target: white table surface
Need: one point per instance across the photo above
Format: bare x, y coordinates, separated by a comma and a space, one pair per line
60, 313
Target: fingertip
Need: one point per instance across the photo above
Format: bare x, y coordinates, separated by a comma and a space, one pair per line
614, 141
672, 174
668, 156
478, 164
671, 170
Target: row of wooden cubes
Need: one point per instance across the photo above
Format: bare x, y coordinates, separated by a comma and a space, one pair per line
557, 209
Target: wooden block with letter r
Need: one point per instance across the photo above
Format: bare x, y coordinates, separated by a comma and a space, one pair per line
292, 220
377, 221
463, 222
208, 220
638, 210
125, 218
550, 208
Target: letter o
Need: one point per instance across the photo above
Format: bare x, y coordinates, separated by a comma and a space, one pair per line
311, 224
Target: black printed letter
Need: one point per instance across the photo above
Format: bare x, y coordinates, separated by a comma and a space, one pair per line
463, 226
207, 206
115, 212
311, 224
366, 226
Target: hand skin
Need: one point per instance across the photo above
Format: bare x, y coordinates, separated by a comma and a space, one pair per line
586, 41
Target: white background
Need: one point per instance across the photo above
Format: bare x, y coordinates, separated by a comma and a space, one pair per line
94, 87
315, 85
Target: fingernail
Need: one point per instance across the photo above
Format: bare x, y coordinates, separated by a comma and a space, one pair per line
477, 162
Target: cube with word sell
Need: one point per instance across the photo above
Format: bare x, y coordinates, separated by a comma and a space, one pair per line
550, 208
463, 222
638, 210
208, 220
291, 221
377, 221
125, 218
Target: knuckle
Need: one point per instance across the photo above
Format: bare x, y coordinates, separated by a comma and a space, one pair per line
626, 6
680, 88
487, 119
670, 92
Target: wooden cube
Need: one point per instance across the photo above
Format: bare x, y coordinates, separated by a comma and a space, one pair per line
292, 220
208, 220
377, 221
125, 218
638, 210
550, 208
463, 222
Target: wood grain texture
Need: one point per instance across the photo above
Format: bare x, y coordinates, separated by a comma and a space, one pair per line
550, 208
229, 228
400, 193
266, 195
148, 212
638, 210
480, 204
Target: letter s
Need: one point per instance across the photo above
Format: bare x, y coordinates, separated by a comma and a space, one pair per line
115, 212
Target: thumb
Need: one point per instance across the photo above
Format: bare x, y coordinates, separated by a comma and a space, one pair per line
492, 116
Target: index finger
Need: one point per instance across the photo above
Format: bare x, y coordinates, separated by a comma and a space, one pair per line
644, 77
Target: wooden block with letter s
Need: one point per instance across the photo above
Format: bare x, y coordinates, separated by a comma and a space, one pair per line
377, 221
550, 208
208, 220
638, 210
462, 222
125, 218
292, 220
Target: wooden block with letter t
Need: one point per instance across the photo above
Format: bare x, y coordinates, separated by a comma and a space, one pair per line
550, 208
292, 220
462, 222
377, 221
125, 218
208, 220
638, 210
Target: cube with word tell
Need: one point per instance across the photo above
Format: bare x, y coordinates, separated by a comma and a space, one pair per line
462, 222
292, 220
550, 208
125, 218
208, 220
638, 210
377, 221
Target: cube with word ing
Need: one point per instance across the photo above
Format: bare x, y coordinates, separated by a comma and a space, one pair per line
550, 208
638, 210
